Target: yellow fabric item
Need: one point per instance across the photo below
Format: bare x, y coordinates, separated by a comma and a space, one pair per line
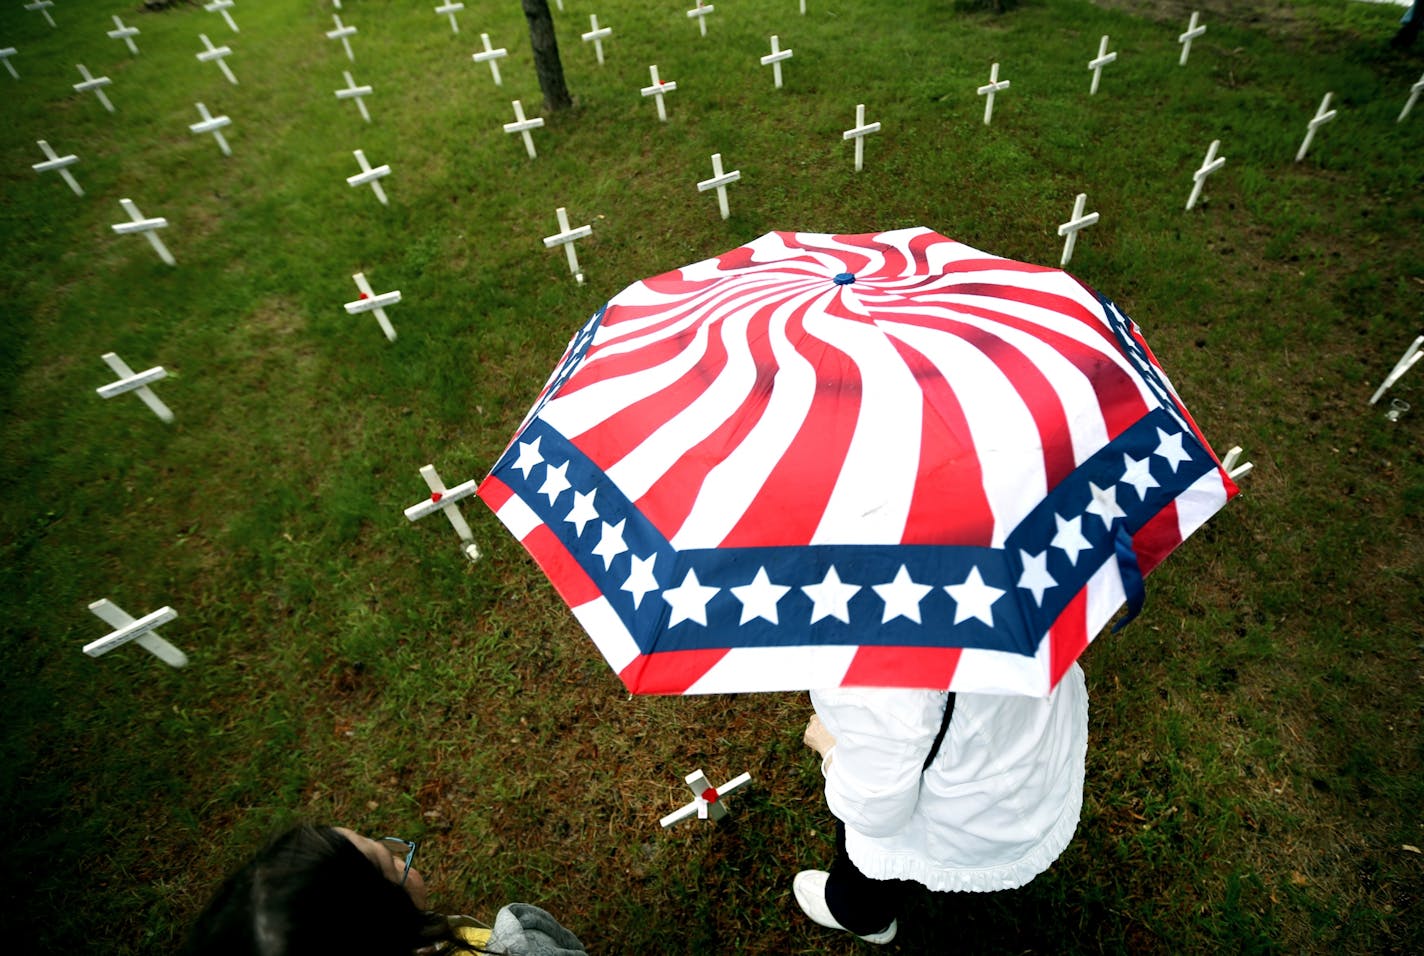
476, 935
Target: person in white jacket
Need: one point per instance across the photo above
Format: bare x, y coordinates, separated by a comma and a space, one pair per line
992, 809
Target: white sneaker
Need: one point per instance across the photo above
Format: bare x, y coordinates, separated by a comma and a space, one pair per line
810, 889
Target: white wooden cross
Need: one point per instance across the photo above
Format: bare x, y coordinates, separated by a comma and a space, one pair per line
1414, 92
354, 92
522, 126
216, 54
596, 36
94, 84
342, 32
369, 176
370, 302
222, 6
774, 58
803, 7
1411, 355
43, 7
142, 632
124, 33
1102, 60
212, 124
1209, 165
491, 56
719, 182
706, 799
57, 164
1230, 466
657, 90
137, 382
565, 237
1193, 31
994, 85
5, 55
1322, 116
444, 499
859, 133
146, 227
1071, 227
700, 13
451, 8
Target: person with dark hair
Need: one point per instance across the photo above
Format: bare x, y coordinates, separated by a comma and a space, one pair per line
958, 792
329, 890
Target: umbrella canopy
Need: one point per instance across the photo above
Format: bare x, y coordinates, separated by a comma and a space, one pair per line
883, 460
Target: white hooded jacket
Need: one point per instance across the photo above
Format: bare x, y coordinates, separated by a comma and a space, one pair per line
997, 806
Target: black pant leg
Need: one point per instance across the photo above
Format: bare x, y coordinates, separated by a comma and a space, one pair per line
858, 903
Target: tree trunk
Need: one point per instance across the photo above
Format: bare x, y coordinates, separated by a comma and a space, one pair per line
546, 55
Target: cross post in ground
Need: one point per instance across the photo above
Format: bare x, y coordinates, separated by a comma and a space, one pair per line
1322, 116
354, 92
136, 382
124, 33
1101, 60
369, 176
522, 126
146, 227
720, 181
1071, 227
774, 58
445, 499
1209, 165
58, 163
370, 302
858, 133
995, 85
596, 35
565, 237
706, 799
142, 632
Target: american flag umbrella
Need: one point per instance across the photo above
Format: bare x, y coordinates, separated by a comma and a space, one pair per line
885, 460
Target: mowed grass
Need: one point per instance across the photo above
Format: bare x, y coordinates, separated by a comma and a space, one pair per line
1255, 768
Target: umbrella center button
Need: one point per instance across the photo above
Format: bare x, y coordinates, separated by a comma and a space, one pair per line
845, 278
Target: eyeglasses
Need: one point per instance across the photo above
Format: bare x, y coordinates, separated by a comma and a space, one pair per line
401, 849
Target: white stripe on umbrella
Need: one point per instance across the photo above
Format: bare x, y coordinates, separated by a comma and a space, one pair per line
1014, 477
732, 485
876, 482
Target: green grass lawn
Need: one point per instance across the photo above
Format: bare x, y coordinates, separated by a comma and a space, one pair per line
1255, 767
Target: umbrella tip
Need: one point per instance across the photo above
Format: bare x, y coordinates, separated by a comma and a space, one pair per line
845, 278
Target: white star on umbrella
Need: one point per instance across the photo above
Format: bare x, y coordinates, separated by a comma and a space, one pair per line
1170, 448
1104, 504
974, 598
556, 482
759, 598
1035, 575
640, 579
583, 511
831, 598
689, 600
902, 596
611, 544
529, 456
1070, 538
1137, 472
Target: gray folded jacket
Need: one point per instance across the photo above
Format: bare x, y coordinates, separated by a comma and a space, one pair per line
524, 930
